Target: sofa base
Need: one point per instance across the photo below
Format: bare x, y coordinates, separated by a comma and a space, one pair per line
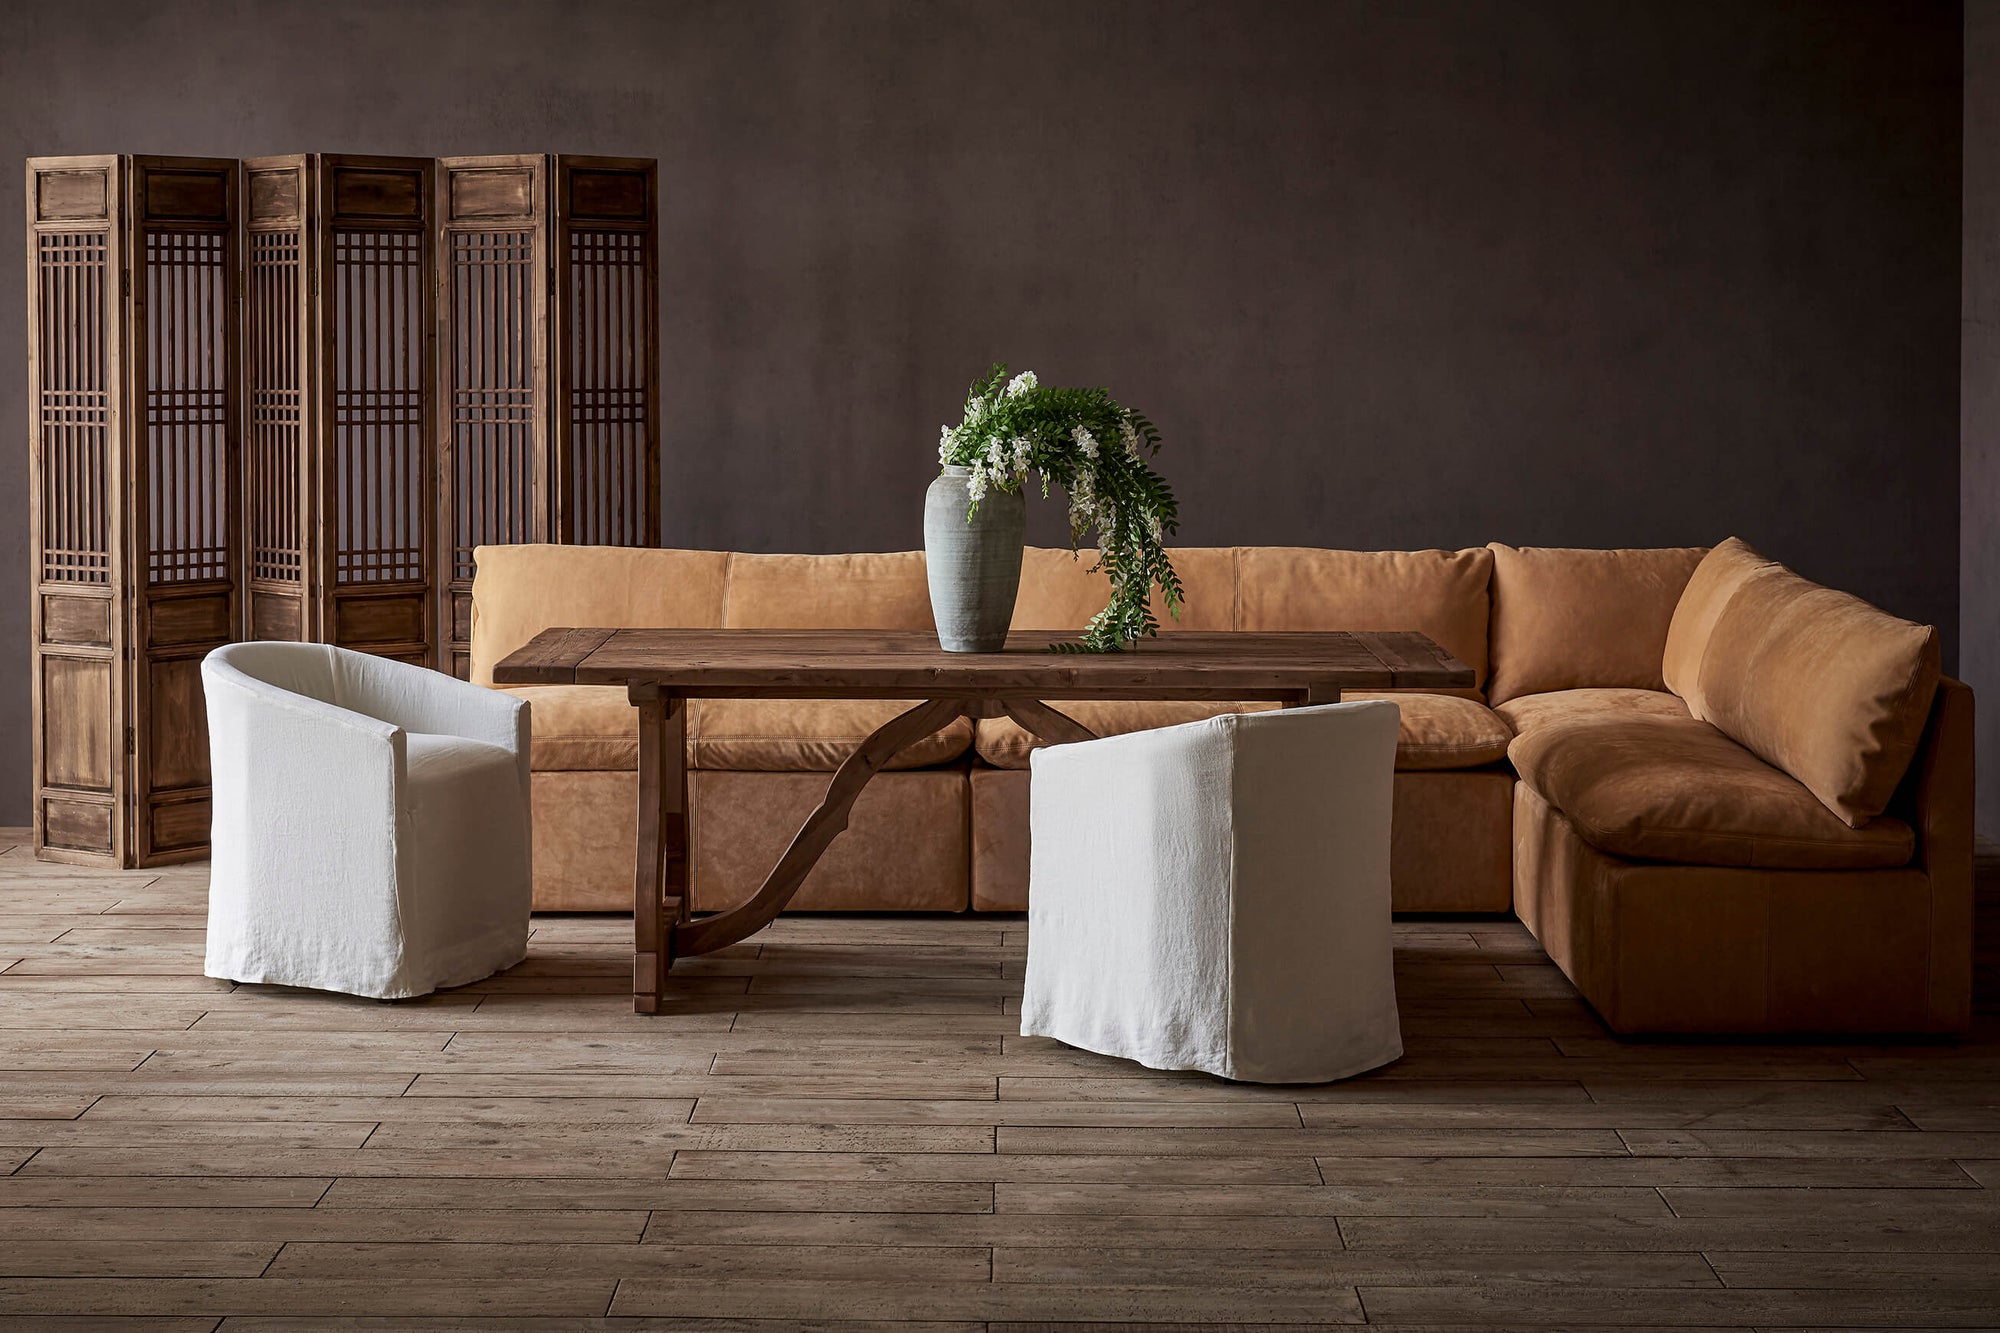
586, 825
1447, 853
1684, 950
905, 848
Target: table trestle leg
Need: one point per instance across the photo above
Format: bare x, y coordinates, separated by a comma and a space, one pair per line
660, 877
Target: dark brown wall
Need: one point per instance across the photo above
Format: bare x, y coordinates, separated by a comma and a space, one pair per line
1386, 274
1979, 399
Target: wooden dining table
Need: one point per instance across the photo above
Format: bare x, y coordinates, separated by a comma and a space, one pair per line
662, 669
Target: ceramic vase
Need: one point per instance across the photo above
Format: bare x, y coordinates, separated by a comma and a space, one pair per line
974, 563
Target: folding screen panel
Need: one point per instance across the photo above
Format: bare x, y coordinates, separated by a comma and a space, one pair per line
80, 685
607, 438
133, 458
547, 305
494, 292
280, 463
340, 378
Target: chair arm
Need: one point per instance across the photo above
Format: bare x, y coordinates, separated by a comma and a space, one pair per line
234, 696
419, 699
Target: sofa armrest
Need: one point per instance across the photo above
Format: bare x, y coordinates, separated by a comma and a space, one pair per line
1938, 804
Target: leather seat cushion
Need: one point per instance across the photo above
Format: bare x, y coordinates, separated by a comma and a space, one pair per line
1438, 731
591, 728
580, 728
1656, 787
460, 795
807, 735
1533, 711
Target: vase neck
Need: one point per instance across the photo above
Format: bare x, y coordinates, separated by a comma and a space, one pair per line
956, 470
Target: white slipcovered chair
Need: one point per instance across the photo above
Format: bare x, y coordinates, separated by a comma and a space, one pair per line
1215, 896
371, 822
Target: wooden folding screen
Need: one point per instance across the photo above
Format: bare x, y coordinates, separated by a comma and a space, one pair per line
340, 380
132, 459
424, 357
548, 293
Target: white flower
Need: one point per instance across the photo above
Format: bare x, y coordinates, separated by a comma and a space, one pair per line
1129, 437
944, 444
1021, 453
1021, 383
975, 489
1085, 441
1079, 514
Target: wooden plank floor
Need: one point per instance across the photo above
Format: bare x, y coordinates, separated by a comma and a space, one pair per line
837, 1123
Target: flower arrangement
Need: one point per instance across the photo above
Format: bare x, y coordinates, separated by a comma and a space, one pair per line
1083, 441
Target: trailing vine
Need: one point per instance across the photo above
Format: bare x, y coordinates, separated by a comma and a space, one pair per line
1097, 452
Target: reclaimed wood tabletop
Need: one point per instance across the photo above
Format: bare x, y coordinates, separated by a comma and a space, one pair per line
776, 663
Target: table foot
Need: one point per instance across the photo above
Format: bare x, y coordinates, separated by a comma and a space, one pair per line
650, 967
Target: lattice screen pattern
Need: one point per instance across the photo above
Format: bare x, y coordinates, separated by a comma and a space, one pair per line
548, 298
338, 324
134, 459
288, 398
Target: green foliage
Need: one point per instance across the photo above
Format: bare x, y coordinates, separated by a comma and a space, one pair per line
1097, 452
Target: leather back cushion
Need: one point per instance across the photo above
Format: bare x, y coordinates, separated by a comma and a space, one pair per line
519, 591
870, 591
1441, 593
1059, 593
1715, 580
1819, 683
1566, 619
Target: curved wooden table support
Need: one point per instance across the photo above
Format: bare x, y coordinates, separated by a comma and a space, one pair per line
817, 834
662, 669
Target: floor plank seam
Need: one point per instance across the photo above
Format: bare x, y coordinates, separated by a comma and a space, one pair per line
273, 1260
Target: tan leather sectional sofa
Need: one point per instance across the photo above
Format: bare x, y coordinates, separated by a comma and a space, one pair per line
1723, 798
